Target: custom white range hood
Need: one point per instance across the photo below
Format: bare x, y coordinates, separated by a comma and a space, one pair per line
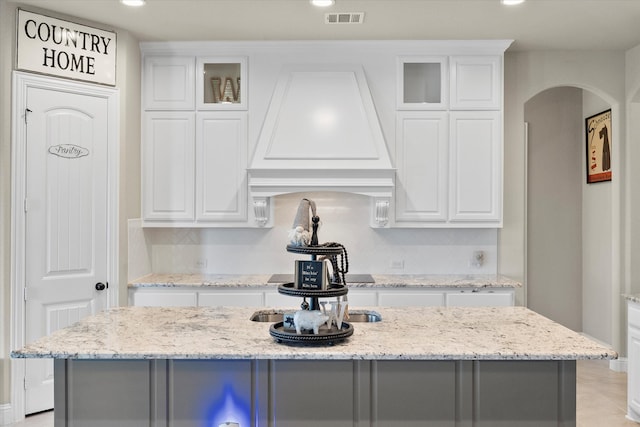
321, 133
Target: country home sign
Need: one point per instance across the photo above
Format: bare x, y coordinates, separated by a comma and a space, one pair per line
61, 48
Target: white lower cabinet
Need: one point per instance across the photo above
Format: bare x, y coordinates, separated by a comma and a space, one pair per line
633, 368
480, 298
362, 297
230, 299
163, 298
273, 299
192, 297
358, 297
448, 297
408, 298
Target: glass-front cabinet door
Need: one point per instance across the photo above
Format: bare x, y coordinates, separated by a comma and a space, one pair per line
221, 83
423, 83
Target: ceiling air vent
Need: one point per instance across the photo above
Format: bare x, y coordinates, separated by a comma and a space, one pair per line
344, 18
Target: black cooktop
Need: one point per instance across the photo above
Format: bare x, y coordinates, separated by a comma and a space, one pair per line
350, 278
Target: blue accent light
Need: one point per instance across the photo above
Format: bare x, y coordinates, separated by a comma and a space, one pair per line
229, 407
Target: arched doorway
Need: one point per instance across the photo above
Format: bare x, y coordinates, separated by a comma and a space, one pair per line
569, 223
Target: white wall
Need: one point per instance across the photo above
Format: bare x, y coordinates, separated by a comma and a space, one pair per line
7, 42
632, 159
631, 195
527, 74
569, 249
597, 213
554, 205
344, 219
128, 82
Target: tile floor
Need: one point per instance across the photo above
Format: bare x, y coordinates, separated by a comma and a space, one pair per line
601, 399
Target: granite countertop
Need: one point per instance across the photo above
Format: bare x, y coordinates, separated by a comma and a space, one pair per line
633, 298
415, 333
381, 281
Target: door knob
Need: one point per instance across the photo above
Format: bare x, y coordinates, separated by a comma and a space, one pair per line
100, 286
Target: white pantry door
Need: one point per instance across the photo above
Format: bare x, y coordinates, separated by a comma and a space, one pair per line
66, 256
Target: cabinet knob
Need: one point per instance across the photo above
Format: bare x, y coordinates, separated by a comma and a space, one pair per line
100, 286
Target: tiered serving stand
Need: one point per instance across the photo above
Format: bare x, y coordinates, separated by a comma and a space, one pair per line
336, 288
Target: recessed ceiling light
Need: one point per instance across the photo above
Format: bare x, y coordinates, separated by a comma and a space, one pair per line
134, 3
322, 3
511, 2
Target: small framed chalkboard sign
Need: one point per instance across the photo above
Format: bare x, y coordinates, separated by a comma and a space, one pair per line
311, 275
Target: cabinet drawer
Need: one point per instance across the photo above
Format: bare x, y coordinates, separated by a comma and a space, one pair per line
362, 298
480, 299
276, 300
634, 314
165, 299
230, 299
404, 299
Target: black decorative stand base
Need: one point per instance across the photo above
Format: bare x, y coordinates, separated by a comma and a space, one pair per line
324, 336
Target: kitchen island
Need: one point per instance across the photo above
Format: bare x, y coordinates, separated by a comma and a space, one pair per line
432, 366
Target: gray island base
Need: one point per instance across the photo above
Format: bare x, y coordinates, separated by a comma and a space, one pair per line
288, 393
487, 367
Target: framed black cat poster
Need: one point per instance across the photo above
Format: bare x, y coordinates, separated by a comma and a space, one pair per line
599, 140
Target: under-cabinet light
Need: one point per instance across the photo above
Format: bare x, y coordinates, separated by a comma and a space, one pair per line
322, 3
511, 2
134, 3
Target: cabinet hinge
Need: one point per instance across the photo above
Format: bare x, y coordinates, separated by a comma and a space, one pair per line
25, 205
24, 383
24, 293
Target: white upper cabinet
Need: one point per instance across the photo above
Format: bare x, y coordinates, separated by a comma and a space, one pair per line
449, 162
422, 165
423, 83
168, 155
424, 144
194, 162
476, 82
194, 169
476, 167
221, 83
169, 83
221, 153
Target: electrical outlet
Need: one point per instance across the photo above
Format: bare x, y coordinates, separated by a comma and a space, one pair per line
201, 264
397, 264
477, 259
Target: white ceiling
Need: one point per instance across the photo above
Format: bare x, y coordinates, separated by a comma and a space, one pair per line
534, 25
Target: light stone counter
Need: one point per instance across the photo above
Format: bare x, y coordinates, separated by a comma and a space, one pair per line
633, 298
381, 281
431, 333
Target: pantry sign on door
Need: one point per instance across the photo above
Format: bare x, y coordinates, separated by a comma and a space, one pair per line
65, 49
